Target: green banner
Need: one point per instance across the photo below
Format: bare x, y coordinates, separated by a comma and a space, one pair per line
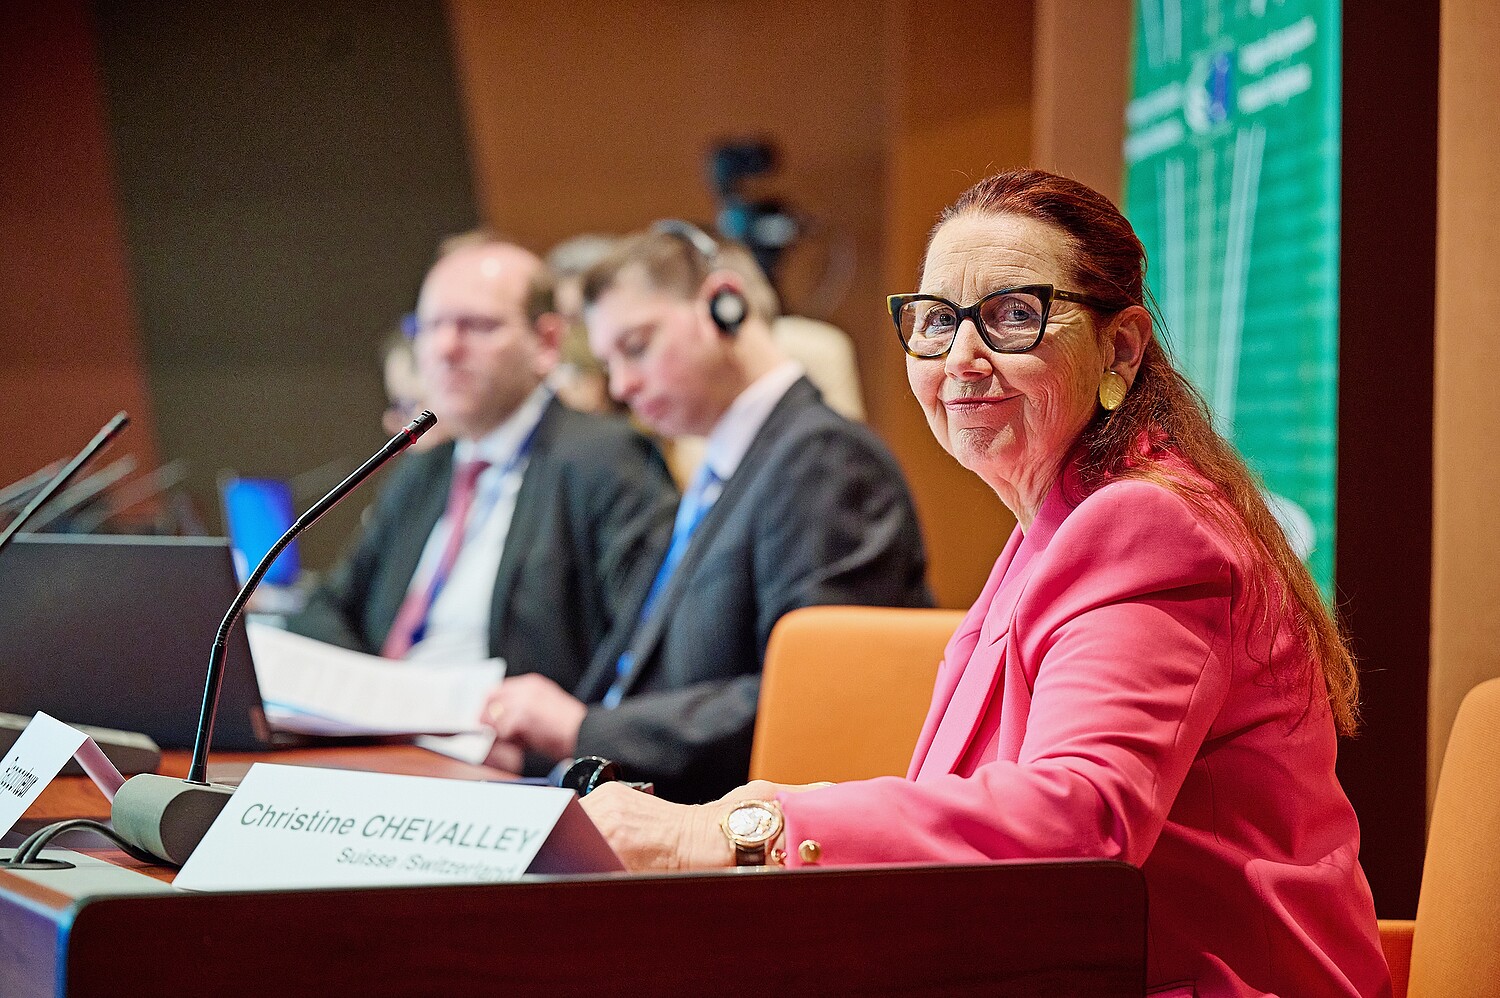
1232, 182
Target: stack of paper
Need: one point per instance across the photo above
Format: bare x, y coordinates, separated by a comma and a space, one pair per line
311, 687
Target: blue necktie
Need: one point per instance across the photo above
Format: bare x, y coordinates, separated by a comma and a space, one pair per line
690, 513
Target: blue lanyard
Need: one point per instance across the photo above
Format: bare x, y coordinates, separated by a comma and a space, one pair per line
690, 513
477, 516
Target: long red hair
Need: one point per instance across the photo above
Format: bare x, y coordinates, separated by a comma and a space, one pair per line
1164, 421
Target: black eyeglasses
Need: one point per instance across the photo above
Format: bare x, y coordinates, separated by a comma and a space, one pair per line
1010, 320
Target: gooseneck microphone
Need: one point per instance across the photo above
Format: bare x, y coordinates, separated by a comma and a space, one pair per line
167, 817
198, 773
106, 433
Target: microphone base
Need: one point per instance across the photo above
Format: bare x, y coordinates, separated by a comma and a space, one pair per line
165, 816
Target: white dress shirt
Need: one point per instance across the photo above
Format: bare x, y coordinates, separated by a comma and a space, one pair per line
736, 429
458, 625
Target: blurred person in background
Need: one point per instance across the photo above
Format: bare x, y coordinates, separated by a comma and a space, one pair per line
579, 377
403, 387
827, 354
514, 539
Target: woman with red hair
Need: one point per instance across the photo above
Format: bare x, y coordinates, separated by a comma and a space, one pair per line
1149, 674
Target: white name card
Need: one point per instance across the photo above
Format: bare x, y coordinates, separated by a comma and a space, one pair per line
292, 826
36, 758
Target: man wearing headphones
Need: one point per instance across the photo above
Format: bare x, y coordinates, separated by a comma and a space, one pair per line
794, 506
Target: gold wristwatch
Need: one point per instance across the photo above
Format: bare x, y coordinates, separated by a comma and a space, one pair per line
752, 828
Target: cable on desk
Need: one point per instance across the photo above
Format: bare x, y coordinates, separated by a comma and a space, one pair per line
30, 849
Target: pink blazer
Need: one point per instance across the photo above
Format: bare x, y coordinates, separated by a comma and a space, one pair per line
1108, 696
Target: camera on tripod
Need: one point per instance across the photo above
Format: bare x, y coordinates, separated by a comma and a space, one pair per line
766, 226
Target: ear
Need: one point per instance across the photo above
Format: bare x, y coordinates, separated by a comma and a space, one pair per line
549, 329
1125, 343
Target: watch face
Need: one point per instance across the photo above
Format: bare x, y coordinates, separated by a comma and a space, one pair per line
751, 823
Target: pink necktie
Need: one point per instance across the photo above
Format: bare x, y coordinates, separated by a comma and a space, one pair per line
411, 619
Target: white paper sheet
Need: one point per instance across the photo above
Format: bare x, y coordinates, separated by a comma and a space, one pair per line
318, 688
471, 748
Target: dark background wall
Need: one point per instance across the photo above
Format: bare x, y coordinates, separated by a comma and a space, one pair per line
284, 176
1383, 567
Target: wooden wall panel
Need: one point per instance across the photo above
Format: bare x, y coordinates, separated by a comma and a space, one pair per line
958, 114
1466, 448
285, 175
69, 351
1082, 85
605, 127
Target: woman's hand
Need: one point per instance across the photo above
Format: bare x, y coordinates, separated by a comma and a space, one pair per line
648, 833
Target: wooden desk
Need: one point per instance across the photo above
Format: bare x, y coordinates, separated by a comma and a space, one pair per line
1000, 929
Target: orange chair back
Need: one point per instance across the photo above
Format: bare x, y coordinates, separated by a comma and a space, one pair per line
1456, 943
844, 692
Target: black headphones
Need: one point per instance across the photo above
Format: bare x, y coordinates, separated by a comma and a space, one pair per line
727, 307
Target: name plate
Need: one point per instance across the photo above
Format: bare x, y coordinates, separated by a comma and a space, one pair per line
289, 827
36, 758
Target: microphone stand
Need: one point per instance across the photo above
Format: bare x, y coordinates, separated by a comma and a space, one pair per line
167, 817
18, 493
106, 433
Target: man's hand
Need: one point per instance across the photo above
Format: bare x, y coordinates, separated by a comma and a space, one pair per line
508, 757
536, 713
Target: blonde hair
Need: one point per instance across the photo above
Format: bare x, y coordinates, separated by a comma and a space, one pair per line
675, 265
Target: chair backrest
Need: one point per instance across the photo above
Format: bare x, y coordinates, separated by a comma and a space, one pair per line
1456, 944
844, 691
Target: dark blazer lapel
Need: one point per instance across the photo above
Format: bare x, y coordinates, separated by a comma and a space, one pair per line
644, 642
408, 535
531, 499
600, 675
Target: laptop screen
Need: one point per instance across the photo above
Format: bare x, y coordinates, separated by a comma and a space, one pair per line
257, 511
116, 632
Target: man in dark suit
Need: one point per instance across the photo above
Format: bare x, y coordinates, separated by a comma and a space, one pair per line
794, 506
516, 540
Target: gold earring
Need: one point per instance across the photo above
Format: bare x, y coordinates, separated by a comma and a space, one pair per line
1111, 390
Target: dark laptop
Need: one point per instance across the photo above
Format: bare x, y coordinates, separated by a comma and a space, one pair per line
116, 632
